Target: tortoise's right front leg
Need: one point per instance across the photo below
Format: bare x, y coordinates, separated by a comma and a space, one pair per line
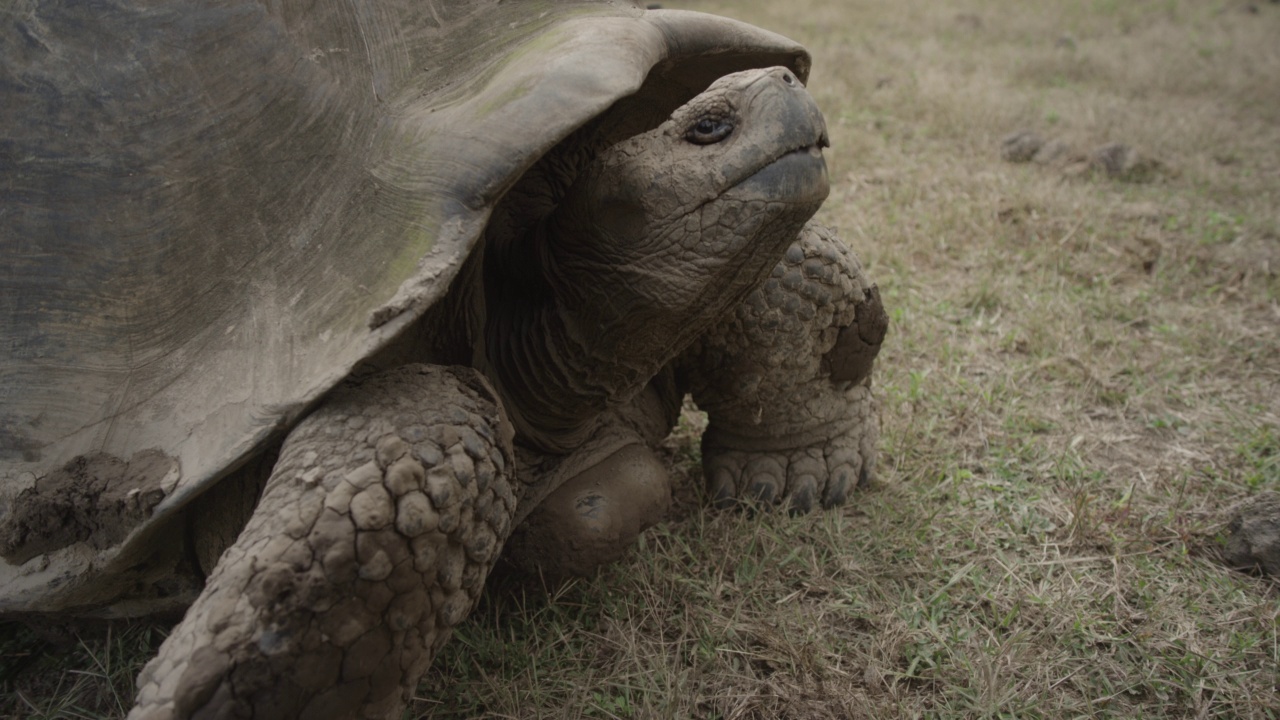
373, 538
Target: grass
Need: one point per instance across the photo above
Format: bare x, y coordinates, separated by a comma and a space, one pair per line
1083, 374
80, 673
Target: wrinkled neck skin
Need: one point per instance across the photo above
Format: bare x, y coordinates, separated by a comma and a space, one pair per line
651, 245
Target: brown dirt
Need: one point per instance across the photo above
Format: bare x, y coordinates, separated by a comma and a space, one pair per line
98, 498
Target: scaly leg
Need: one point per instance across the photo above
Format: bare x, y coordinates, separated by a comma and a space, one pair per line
786, 382
372, 540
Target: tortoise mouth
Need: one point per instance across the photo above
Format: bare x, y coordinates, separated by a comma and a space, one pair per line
808, 152
814, 148
798, 175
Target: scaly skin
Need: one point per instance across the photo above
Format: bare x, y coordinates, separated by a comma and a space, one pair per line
786, 382
373, 538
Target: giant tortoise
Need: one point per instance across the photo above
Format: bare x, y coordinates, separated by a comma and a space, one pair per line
309, 309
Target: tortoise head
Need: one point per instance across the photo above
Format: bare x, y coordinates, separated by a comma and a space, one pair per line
686, 218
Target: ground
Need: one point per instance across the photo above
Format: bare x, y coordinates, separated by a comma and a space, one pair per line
1082, 375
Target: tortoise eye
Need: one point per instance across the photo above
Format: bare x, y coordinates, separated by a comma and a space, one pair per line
709, 130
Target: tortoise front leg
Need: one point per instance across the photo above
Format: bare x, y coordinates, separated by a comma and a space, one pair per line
373, 538
786, 382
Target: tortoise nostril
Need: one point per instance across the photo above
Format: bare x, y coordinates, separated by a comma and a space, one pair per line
786, 78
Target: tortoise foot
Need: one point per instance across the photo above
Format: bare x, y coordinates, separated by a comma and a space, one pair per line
798, 477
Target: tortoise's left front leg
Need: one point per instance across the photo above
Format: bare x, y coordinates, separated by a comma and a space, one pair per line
786, 382
373, 538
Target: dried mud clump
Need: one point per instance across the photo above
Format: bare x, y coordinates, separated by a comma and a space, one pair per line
1122, 162
1020, 147
1116, 161
1253, 535
97, 498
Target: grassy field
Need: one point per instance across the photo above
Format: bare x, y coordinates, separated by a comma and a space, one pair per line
1082, 375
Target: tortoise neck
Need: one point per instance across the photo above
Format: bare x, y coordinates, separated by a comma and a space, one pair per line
558, 368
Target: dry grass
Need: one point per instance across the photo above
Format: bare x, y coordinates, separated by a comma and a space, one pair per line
1083, 373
